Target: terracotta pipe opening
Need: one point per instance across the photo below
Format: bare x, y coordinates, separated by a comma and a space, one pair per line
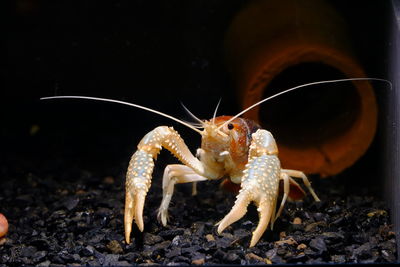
313, 116
274, 45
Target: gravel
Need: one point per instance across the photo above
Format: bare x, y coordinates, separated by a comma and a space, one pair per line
68, 216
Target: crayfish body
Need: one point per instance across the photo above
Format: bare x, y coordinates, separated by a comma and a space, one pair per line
231, 147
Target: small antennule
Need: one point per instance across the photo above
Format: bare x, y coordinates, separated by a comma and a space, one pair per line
301, 86
191, 114
215, 111
125, 103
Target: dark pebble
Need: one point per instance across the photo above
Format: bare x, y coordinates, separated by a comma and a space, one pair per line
248, 225
224, 241
293, 258
104, 212
87, 251
150, 239
273, 256
173, 252
169, 234
219, 254
297, 227
241, 233
333, 236
338, 258
39, 256
231, 258
191, 249
198, 228
111, 260
115, 247
28, 251
182, 260
71, 202
318, 244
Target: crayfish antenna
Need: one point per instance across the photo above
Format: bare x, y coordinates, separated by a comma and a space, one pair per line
201, 123
127, 104
301, 86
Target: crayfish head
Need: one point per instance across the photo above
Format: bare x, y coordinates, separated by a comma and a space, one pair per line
211, 132
221, 137
214, 140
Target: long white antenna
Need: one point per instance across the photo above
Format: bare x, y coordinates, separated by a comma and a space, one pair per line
125, 103
298, 87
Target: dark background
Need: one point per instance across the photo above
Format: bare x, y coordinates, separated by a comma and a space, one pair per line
153, 53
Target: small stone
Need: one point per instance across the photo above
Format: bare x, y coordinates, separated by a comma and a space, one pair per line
40, 243
71, 202
163, 245
362, 251
319, 216
248, 225
377, 213
175, 242
224, 242
44, 264
258, 258
388, 255
231, 257
28, 251
219, 254
199, 261
173, 252
282, 235
210, 238
198, 228
150, 239
301, 246
318, 244
312, 226
115, 247
111, 260
332, 235
170, 234
87, 251
39, 256
338, 258
241, 233
300, 257
273, 256
297, 220
289, 241
123, 263
336, 209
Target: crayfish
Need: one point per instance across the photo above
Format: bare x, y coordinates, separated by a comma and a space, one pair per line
231, 147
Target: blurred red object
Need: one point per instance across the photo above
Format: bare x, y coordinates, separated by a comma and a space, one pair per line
3, 225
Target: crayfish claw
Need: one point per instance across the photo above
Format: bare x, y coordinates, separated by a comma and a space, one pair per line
134, 204
129, 216
259, 184
138, 180
265, 213
237, 212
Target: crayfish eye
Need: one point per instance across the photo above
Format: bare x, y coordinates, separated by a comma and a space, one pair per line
230, 126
